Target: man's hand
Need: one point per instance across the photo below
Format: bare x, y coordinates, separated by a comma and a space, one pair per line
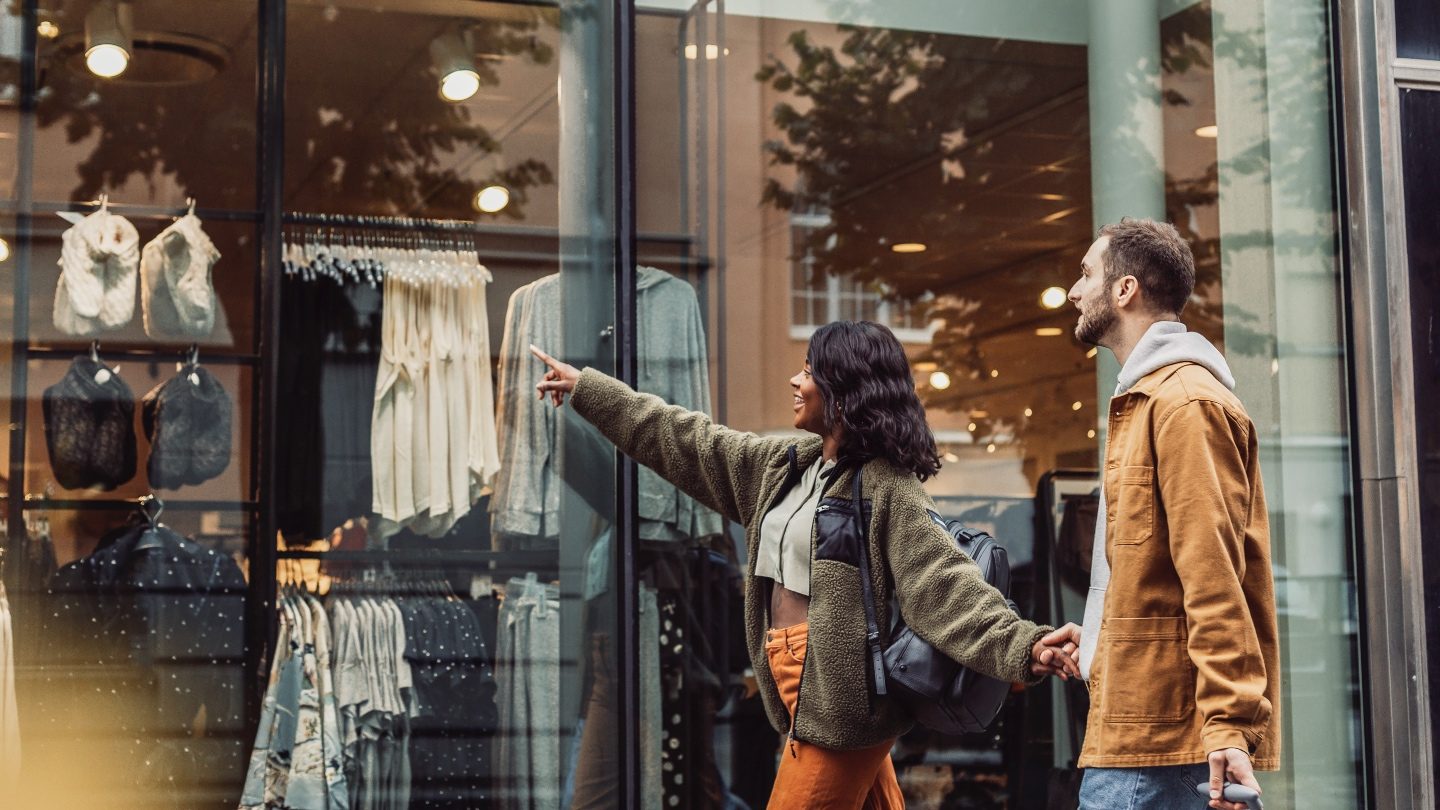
1057, 653
1233, 765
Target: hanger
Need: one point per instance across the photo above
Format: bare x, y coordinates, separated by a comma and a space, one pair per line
151, 507
94, 351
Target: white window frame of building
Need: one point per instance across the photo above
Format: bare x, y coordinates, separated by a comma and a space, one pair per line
830, 302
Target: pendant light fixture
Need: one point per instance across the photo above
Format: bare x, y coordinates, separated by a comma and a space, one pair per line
108, 43
453, 56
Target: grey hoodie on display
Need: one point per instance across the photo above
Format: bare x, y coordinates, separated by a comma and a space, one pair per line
1164, 343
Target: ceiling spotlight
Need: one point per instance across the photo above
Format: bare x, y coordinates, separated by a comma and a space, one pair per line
907, 247
971, 427
1090, 434
712, 52
1053, 298
1076, 405
1029, 412
950, 456
492, 199
4, 250
1094, 350
979, 414
108, 43
990, 448
453, 57
926, 366
1049, 331
47, 29
994, 372
939, 380
1208, 131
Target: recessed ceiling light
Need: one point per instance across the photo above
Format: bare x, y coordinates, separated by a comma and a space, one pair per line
47, 29
1094, 350
712, 52
979, 414
990, 448
994, 372
939, 381
1090, 434
1029, 412
1076, 405
1049, 331
907, 247
4, 250
1053, 298
971, 427
926, 366
492, 199
1208, 131
1051, 197
951, 457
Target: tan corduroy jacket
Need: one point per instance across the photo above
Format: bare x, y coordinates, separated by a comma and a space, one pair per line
939, 590
1187, 661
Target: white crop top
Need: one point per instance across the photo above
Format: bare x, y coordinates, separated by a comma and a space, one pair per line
787, 529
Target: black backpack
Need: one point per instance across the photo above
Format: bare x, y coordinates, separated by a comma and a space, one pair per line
940, 693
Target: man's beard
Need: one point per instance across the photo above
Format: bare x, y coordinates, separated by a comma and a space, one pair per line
1093, 327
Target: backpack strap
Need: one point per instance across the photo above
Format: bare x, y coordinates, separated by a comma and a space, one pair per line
872, 627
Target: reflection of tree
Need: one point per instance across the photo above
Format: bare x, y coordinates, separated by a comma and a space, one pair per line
888, 134
395, 142
879, 144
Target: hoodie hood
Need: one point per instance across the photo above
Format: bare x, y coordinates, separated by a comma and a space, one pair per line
1166, 343
647, 277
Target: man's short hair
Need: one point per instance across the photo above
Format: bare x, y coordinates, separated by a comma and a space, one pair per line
1157, 256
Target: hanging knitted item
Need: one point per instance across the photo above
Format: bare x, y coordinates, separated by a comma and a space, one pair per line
90, 427
187, 420
176, 291
99, 257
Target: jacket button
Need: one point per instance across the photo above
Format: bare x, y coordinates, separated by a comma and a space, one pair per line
904, 667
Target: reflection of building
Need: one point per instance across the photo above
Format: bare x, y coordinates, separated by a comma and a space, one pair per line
946, 169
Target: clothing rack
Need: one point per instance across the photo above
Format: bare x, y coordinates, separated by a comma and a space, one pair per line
417, 558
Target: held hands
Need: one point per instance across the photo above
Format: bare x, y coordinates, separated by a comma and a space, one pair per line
559, 379
1057, 653
1230, 765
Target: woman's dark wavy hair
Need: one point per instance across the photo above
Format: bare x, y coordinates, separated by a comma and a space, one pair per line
868, 390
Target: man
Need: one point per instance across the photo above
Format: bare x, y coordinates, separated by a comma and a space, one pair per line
1179, 641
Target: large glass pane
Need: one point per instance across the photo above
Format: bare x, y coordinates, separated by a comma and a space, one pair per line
130, 316
942, 172
448, 193
1420, 113
1417, 30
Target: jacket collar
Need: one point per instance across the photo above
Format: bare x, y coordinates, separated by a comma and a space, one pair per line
1146, 385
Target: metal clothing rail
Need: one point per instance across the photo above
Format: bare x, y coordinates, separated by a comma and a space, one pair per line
422, 558
379, 222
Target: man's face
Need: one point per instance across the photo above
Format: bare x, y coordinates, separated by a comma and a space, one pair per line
1093, 298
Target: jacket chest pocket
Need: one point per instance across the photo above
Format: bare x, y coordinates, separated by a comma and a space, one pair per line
837, 536
1134, 512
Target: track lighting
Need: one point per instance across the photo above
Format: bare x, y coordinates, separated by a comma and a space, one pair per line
453, 57
108, 43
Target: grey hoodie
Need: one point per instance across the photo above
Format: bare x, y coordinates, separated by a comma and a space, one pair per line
1165, 343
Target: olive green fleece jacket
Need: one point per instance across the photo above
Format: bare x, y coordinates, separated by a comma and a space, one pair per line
940, 591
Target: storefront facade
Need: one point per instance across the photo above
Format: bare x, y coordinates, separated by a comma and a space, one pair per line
387, 575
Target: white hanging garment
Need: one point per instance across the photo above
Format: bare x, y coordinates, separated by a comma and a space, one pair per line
176, 290
9, 717
99, 257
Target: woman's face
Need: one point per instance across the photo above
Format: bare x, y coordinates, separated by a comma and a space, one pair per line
809, 405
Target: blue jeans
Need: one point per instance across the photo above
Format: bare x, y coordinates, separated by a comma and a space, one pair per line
1165, 787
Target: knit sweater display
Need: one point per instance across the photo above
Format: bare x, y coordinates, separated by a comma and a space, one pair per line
176, 293
90, 427
188, 422
99, 258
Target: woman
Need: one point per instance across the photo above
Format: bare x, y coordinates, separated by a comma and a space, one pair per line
804, 615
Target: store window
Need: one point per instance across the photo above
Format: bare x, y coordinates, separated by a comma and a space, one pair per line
945, 173
284, 524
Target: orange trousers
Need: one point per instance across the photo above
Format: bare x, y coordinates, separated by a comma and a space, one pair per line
815, 778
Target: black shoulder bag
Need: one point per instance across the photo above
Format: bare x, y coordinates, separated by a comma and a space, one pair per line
940, 693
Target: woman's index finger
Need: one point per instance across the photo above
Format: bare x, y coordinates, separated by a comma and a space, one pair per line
543, 357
